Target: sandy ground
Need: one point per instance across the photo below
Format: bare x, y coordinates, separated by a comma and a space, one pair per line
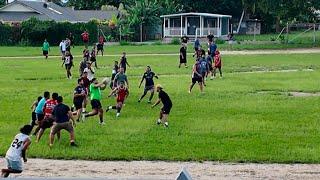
164, 170
244, 52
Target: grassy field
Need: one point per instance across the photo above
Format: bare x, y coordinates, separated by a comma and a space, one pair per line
231, 122
27, 51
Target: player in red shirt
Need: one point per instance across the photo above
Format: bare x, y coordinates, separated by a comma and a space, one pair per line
85, 38
217, 63
122, 94
100, 45
48, 119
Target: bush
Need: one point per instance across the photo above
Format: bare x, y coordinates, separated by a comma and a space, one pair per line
124, 43
175, 41
220, 41
157, 43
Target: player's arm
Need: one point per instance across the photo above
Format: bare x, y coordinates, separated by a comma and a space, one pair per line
127, 63
112, 92
194, 69
26, 144
155, 76
141, 81
127, 82
155, 104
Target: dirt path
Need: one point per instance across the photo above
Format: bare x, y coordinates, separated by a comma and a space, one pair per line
245, 52
165, 170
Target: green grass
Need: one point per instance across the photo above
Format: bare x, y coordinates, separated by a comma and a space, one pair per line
231, 122
10, 51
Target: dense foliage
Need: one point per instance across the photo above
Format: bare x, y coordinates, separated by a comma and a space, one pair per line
273, 13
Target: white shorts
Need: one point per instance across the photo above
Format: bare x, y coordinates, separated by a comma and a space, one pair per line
15, 165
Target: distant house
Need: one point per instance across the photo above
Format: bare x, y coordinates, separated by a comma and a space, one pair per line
21, 10
196, 25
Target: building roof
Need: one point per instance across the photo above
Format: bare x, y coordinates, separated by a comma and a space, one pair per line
196, 14
49, 11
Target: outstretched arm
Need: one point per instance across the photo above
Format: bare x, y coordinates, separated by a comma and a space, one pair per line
112, 92
141, 81
155, 104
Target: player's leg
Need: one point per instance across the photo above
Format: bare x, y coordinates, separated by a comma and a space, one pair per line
102, 50
159, 121
151, 95
100, 110
144, 94
214, 72
201, 86
39, 135
220, 71
54, 130
165, 120
119, 107
192, 84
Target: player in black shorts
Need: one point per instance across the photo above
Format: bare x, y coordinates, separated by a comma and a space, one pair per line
149, 86
79, 95
167, 105
196, 76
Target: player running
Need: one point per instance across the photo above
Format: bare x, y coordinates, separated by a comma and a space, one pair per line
95, 97
122, 94
48, 118
167, 105
114, 73
217, 64
68, 62
79, 96
93, 57
89, 70
17, 149
196, 76
33, 114
121, 77
39, 110
124, 62
100, 45
149, 86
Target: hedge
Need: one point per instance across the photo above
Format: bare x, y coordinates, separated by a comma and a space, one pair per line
33, 32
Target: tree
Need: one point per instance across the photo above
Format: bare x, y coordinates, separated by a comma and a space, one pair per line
143, 12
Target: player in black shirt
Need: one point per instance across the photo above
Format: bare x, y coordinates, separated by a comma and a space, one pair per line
183, 55
79, 96
167, 105
115, 71
123, 62
148, 76
210, 37
184, 39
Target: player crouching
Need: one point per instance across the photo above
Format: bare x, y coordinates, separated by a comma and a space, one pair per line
167, 105
17, 150
122, 94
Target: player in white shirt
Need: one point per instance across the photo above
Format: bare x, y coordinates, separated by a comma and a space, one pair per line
63, 48
17, 150
90, 71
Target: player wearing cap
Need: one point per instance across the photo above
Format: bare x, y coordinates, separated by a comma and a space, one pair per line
167, 105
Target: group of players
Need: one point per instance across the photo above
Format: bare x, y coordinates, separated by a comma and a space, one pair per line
54, 114
205, 63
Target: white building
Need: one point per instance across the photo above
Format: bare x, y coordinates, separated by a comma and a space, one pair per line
195, 25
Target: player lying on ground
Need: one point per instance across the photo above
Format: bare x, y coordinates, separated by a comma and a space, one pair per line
17, 149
